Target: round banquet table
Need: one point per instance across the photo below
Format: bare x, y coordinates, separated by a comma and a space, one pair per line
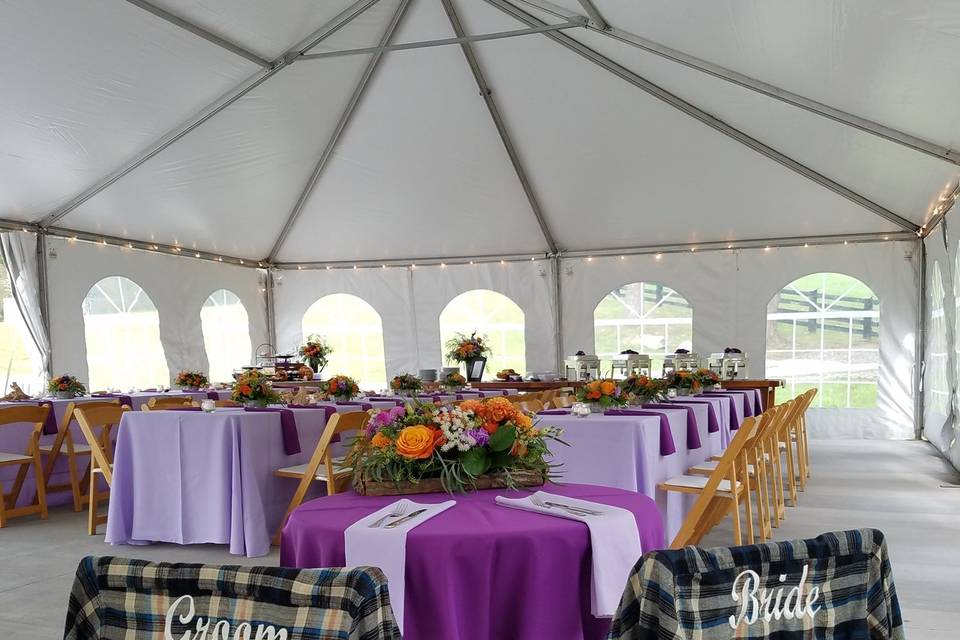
479, 571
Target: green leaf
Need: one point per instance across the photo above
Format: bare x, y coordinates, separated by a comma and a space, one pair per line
475, 462
504, 438
501, 459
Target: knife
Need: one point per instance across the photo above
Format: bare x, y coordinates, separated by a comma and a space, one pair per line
397, 523
570, 507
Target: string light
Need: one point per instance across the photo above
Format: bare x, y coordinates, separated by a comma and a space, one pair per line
196, 255
589, 258
300, 267
766, 248
623, 258
328, 267
805, 245
692, 249
658, 256
413, 266
502, 262
444, 266
383, 266
354, 267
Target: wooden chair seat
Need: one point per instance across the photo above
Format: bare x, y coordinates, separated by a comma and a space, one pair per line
14, 458
78, 449
696, 484
300, 470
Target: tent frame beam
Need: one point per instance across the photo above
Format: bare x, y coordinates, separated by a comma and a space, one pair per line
866, 125
211, 110
597, 21
487, 94
699, 114
338, 130
424, 44
196, 30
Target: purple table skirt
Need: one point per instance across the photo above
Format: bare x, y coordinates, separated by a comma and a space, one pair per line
480, 571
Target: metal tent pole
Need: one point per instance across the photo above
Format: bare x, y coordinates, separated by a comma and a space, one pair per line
921, 342
44, 296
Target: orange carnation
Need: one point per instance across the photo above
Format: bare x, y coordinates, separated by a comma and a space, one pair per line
417, 442
381, 441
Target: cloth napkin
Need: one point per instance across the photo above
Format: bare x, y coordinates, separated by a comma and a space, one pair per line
365, 406
213, 395
713, 423
50, 423
747, 403
693, 435
124, 398
387, 548
288, 426
667, 445
553, 412
614, 542
396, 401
184, 409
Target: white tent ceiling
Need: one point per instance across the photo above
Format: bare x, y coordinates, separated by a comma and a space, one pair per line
185, 123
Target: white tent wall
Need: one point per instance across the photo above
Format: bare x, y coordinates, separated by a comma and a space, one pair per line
729, 292
177, 286
940, 397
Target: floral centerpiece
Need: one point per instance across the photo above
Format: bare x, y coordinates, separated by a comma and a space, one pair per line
341, 387
602, 395
254, 388
191, 380
423, 448
453, 381
707, 378
406, 384
66, 386
305, 372
642, 389
505, 374
685, 382
463, 348
314, 353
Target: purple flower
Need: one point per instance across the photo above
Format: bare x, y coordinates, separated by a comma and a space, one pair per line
480, 436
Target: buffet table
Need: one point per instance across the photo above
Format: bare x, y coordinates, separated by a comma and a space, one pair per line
767, 388
525, 387
478, 570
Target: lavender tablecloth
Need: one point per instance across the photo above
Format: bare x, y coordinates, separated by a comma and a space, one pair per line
624, 452
480, 571
186, 477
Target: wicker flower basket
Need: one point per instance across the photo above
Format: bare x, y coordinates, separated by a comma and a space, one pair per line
366, 486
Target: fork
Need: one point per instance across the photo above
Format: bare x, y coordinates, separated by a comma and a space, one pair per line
577, 511
398, 510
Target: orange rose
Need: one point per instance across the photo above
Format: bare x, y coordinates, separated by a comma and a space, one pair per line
593, 395
381, 441
491, 427
471, 405
416, 442
607, 387
246, 390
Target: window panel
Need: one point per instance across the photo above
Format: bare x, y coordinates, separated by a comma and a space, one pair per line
354, 330
823, 332
18, 354
122, 332
226, 334
495, 316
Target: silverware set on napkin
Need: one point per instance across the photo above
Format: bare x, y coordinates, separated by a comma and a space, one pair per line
398, 513
569, 508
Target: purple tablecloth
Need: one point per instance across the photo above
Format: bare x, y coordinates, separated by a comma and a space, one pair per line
186, 477
480, 571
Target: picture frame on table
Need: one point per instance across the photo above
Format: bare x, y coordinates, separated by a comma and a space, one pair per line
475, 369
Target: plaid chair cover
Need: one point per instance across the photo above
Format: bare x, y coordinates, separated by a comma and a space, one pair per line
686, 593
116, 599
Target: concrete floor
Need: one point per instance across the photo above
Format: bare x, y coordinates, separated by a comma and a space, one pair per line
892, 486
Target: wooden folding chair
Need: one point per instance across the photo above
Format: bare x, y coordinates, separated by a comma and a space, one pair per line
35, 415
158, 404
333, 473
561, 402
97, 425
531, 405
74, 450
798, 435
718, 494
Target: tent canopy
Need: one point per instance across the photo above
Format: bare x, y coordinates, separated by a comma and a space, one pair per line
250, 129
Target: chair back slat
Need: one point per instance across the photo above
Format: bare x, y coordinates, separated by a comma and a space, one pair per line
97, 424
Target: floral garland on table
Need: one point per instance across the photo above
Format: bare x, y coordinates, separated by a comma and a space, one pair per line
191, 379
642, 389
455, 444
606, 393
315, 351
683, 380
67, 384
453, 380
407, 384
341, 387
707, 378
254, 387
461, 347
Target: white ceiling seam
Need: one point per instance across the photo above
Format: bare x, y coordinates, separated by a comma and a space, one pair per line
338, 130
211, 110
186, 25
702, 116
915, 143
487, 94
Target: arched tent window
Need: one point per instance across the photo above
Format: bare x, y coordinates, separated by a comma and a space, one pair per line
353, 329
823, 331
493, 315
122, 331
226, 334
935, 377
646, 317
19, 356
